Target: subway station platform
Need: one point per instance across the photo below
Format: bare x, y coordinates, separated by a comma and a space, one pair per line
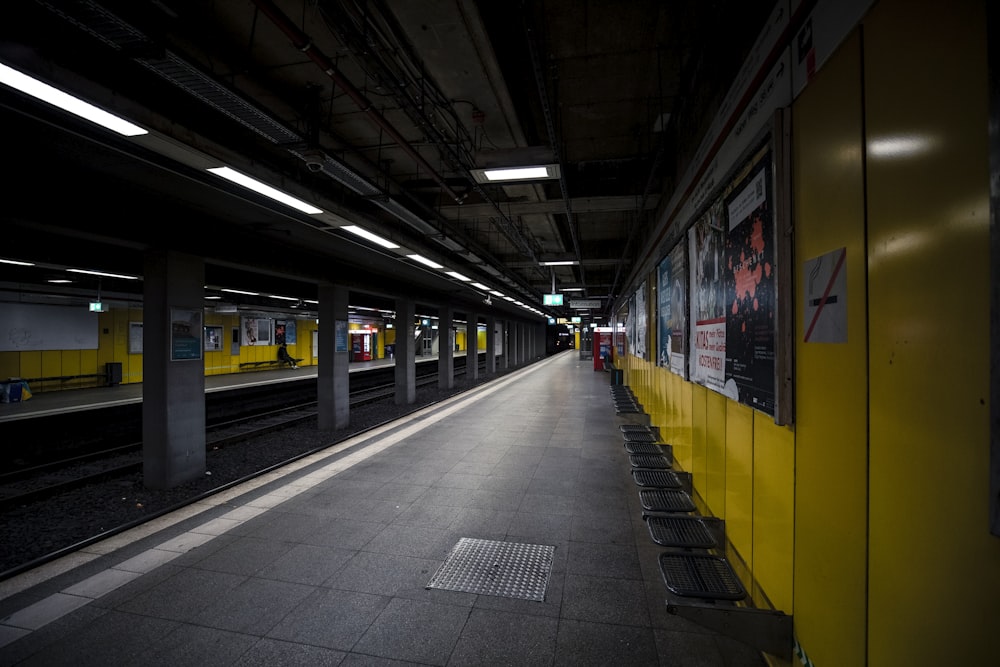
379, 551
70, 400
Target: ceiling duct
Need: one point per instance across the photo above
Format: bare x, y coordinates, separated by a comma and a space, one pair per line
125, 38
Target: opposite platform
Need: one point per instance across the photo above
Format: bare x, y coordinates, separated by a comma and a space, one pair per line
331, 561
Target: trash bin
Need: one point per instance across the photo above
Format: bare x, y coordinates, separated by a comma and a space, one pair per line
616, 375
113, 373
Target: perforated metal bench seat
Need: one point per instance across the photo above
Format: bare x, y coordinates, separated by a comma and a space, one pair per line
700, 576
649, 461
656, 479
666, 500
640, 436
689, 532
647, 448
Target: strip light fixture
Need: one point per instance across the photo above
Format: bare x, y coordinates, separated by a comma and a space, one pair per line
62, 100
16, 262
458, 276
365, 234
264, 189
537, 172
103, 274
427, 262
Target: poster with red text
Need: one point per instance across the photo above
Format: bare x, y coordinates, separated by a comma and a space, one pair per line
706, 240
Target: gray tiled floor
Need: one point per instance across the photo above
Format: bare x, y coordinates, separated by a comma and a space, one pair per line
336, 574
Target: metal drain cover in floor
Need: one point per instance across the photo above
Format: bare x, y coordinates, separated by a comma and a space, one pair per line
489, 567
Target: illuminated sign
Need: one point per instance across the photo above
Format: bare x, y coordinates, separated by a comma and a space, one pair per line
552, 299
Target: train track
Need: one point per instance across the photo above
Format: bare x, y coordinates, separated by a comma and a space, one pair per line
38, 482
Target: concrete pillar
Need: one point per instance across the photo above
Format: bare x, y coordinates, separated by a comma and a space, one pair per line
446, 347
505, 344
515, 344
522, 341
406, 359
173, 382
472, 347
491, 345
333, 388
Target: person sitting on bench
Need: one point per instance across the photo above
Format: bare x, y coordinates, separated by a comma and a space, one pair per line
287, 358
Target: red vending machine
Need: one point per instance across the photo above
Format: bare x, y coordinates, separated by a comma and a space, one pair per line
361, 346
602, 349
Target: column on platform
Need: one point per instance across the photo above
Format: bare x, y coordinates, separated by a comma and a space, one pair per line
406, 360
491, 345
446, 347
333, 387
173, 383
471, 347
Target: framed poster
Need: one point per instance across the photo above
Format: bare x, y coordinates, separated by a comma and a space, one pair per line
340, 338
185, 334
640, 321
751, 288
706, 241
135, 337
733, 295
213, 338
672, 310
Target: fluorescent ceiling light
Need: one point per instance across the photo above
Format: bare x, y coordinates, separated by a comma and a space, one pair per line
481, 286
457, 276
264, 189
365, 234
284, 298
423, 260
538, 172
239, 291
509, 298
496, 293
66, 102
565, 262
16, 262
213, 296
58, 281
571, 289
102, 273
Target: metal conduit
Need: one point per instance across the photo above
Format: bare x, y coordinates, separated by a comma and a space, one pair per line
302, 42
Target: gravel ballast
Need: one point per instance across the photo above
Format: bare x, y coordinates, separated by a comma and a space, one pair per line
33, 533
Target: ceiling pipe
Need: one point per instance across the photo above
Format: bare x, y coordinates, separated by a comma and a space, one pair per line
304, 43
543, 95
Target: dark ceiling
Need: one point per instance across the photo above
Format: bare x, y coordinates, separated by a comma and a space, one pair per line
375, 111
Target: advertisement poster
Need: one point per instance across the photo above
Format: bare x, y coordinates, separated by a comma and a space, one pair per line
279, 331
284, 332
750, 290
672, 293
630, 325
249, 331
664, 332
185, 334
707, 239
640, 321
340, 336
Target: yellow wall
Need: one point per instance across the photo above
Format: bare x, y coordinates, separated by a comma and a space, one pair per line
112, 339
868, 519
831, 386
934, 568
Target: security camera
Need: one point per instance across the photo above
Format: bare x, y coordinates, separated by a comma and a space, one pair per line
488, 301
314, 160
